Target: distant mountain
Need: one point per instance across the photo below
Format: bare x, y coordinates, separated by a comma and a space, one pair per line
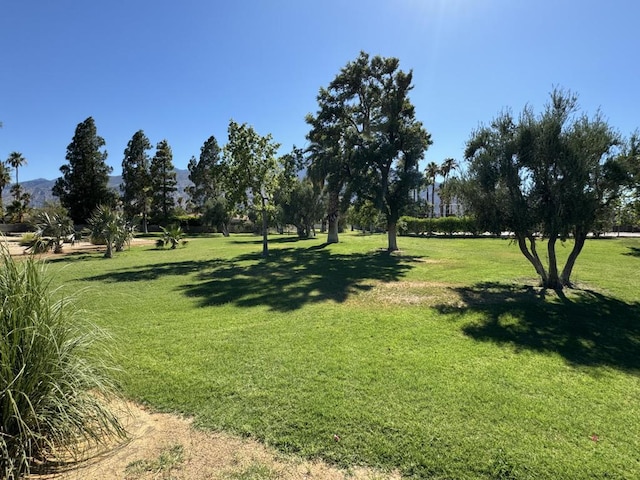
40, 189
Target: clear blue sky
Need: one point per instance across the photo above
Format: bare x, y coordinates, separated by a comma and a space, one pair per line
181, 69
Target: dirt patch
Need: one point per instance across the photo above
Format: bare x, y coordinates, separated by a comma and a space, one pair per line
165, 446
16, 249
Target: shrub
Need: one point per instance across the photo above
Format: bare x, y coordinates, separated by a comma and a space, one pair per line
53, 372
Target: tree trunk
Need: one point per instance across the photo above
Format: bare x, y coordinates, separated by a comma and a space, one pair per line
109, 252
392, 235
332, 217
580, 238
225, 229
553, 281
532, 254
265, 226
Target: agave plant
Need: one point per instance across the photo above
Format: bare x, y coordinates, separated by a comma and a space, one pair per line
53, 372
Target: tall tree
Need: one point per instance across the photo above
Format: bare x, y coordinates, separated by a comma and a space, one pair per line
83, 185
136, 178
431, 172
367, 120
206, 174
16, 160
552, 173
252, 163
5, 179
448, 165
163, 181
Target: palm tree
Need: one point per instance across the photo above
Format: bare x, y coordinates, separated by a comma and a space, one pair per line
16, 160
107, 224
5, 179
431, 172
449, 165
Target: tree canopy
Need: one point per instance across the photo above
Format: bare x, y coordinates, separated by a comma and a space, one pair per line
163, 181
136, 178
83, 185
550, 174
252, 164
366, 137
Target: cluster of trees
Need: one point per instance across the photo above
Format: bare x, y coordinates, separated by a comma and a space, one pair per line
16, 211
555, 175
147, 185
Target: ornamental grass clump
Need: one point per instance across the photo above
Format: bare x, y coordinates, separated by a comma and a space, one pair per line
54, 372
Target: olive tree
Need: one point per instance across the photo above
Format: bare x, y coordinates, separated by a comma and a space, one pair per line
547, 175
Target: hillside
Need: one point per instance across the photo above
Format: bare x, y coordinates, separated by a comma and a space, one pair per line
40, 189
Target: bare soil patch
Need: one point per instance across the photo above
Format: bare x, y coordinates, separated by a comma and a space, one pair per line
166, 446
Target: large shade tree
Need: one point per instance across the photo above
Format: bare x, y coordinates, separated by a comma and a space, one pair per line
83, 185
550, 174
136, 178
366, 129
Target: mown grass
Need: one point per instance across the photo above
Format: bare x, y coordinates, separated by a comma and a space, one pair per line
442, 361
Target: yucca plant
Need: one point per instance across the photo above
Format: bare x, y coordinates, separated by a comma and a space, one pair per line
172, 235
54, 372
108, 225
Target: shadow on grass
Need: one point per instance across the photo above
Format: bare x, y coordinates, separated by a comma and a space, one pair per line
286, 281
587, 328
633, 252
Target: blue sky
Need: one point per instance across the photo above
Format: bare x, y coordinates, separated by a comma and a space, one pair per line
181, 69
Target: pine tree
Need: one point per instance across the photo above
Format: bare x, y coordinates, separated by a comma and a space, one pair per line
83, 185
163, 182
136, 178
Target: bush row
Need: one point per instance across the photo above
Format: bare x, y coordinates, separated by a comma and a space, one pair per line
442, 225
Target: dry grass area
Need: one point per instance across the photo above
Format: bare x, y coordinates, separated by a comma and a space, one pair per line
167, 447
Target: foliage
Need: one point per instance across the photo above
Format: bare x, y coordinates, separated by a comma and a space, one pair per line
172, 235
109, 226
251, 162
553, 173
52, 230
444, 225
83, 185
53, 372
365, 216
206, 174
136, 178
216, 213
303, 208
163, 182
366, 119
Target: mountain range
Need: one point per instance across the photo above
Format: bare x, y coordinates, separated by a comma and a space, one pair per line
40, 188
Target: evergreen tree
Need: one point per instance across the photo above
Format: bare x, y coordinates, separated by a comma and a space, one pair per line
163, 181
207, 174
136, 178
83, 185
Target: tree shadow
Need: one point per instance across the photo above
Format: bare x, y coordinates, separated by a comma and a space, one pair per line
633, 252
586, 328
287, 280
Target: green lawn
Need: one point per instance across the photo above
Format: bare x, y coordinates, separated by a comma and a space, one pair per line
442, 361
